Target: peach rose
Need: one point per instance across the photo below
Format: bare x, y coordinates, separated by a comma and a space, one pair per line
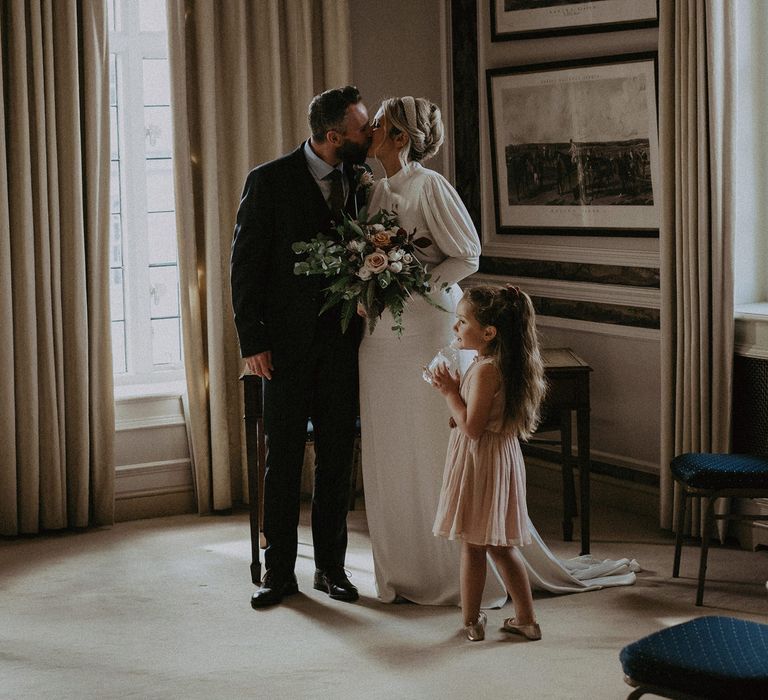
376, 262
381, 238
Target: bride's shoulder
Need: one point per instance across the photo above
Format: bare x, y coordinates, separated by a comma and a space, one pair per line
434, 179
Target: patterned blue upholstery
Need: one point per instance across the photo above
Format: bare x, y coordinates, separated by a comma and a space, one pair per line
710, 657
721, 471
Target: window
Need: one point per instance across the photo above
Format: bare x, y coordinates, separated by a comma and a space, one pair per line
146, 324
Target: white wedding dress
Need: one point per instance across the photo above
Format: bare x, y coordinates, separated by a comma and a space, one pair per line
404, 421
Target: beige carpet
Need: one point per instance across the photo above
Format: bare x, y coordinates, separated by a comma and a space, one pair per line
160, 609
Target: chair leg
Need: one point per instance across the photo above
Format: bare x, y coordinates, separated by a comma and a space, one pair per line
705, 534
681, 507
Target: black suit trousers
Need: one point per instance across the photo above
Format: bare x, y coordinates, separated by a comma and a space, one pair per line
321, 385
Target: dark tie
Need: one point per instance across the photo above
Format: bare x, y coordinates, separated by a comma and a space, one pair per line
336, 200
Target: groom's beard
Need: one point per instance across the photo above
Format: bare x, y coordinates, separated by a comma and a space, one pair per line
353, 153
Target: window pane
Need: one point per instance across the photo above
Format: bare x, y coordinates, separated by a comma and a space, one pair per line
152, 15
163, 291
158, 138
116, 300
116, 241
161, 229
111, 15
115, 15
113, 79
160, 185
157, 85
113, 142
114, 186
118, 347
166, 342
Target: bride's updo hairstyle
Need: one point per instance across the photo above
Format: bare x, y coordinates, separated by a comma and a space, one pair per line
420, 120
516, 349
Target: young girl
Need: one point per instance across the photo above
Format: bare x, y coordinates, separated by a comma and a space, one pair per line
482, 501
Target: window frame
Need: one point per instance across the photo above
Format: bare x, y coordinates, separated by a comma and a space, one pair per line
132, 47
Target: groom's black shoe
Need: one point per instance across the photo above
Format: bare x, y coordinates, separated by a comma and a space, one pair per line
335, 583
273, 587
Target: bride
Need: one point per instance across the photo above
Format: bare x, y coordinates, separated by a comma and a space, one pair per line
404, 423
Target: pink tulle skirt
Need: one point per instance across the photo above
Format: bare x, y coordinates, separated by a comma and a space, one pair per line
482, 500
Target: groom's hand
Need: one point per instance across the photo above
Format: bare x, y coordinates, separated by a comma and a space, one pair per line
260, 364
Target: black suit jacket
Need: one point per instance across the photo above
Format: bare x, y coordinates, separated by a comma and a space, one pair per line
275, 309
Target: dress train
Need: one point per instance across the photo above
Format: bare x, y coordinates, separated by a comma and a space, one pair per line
584, 573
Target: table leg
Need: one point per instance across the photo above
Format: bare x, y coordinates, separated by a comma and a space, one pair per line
569, 490
582, 426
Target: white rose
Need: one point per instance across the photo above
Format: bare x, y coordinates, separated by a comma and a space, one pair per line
407, 258
364, 273
377, 227
377, 261
396, 266
395, 254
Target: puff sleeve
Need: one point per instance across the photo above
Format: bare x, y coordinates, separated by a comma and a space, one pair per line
451, 229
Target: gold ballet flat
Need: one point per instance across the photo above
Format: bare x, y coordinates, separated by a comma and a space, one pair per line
475, 631
531, 631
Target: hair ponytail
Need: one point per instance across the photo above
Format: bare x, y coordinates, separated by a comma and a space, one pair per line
516, 348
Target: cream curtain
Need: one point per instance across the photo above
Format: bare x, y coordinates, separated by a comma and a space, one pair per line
243, 73
698, 81
56, 402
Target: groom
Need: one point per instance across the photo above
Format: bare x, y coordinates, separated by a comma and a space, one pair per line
308, 365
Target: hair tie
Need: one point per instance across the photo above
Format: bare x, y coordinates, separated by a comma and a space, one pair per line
409, 105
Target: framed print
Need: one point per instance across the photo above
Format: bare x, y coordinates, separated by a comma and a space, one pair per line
574, 147
524, 19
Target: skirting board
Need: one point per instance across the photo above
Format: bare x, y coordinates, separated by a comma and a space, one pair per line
155, 505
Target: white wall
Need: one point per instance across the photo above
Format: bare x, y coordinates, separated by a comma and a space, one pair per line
399, 47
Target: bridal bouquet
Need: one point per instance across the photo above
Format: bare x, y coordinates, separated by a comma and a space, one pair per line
373, 263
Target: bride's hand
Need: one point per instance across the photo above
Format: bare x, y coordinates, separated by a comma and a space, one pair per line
361, 310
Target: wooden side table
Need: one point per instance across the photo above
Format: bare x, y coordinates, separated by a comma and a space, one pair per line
568, 379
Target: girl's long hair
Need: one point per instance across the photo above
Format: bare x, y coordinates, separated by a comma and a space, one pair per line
516, 349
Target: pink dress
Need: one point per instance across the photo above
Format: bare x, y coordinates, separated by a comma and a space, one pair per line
482, 500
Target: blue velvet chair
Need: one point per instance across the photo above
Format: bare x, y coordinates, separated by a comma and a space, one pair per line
710, 657
712, 476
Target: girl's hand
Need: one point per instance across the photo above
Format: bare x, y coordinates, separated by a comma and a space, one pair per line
361, 310
445, 382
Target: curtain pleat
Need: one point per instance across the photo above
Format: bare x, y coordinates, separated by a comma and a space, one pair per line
57, 466
696, 142
9, 481
242, 76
